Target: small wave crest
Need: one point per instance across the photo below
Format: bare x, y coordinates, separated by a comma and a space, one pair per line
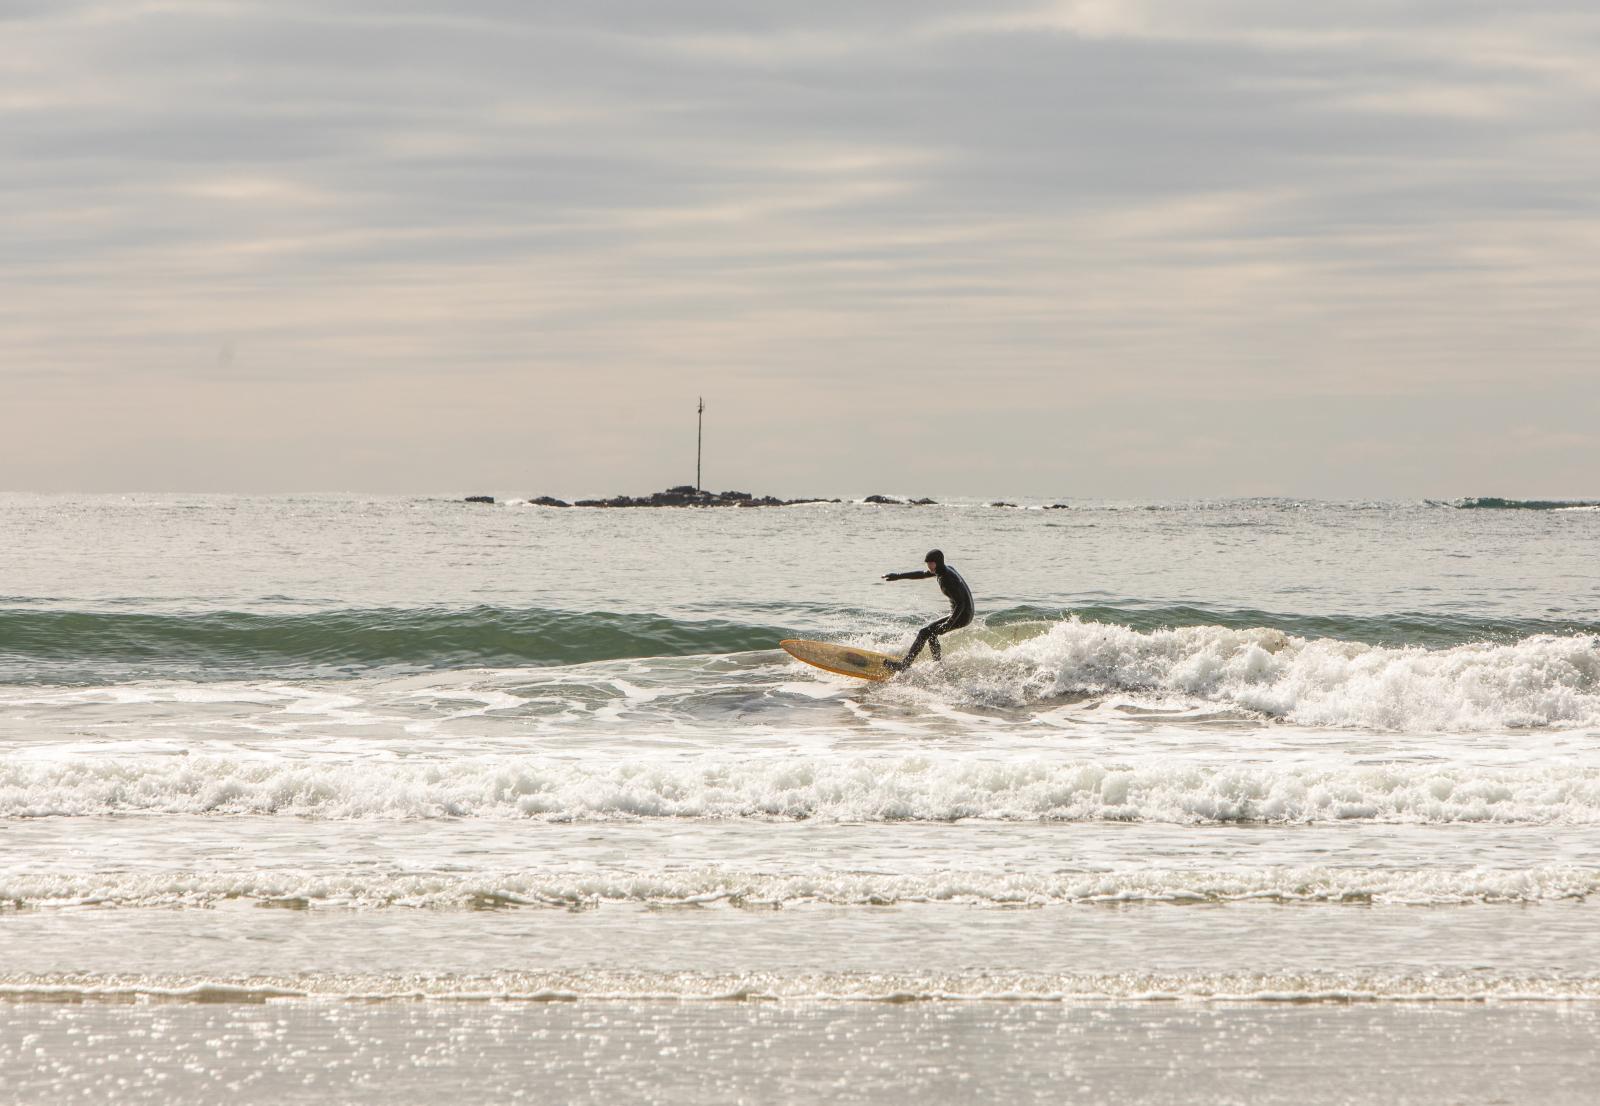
703, 886
1433, 630
601, 985
872, 789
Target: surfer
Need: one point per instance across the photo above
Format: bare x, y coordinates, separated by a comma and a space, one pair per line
955, 590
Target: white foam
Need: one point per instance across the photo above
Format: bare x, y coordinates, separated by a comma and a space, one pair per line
145, 694
489, 701
1539, 681
835, 789
365, 888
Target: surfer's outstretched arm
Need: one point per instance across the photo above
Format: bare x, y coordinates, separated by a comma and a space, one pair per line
908, 575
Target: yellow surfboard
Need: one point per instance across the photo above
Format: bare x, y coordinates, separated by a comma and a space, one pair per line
846, 660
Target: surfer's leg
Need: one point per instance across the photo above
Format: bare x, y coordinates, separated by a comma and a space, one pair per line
942, 627
927, 634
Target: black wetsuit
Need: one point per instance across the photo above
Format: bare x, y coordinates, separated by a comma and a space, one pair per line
961, 610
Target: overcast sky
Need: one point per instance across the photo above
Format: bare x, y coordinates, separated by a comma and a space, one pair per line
1097, 248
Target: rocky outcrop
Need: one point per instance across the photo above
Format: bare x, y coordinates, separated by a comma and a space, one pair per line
1496, 503
1058, 507
480, 499
1001, 503
686, 496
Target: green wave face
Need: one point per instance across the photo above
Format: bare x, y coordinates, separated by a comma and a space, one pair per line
75, 646
85, 647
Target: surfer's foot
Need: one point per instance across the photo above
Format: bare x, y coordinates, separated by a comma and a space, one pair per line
896, 666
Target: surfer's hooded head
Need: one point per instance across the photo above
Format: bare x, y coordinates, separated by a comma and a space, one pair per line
935, 557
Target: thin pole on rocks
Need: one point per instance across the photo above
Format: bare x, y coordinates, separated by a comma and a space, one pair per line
699, 436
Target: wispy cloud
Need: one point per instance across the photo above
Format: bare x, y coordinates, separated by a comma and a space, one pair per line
450, 245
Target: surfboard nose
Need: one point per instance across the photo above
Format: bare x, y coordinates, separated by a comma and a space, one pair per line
843, 660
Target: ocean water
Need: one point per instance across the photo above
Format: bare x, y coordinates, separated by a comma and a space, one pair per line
400, 794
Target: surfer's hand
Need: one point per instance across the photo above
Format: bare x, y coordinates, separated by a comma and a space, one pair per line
888, 576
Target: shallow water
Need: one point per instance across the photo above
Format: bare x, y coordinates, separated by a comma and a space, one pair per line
741, 1052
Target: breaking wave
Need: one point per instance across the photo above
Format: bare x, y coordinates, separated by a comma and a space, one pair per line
1408, 672
1540, 681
